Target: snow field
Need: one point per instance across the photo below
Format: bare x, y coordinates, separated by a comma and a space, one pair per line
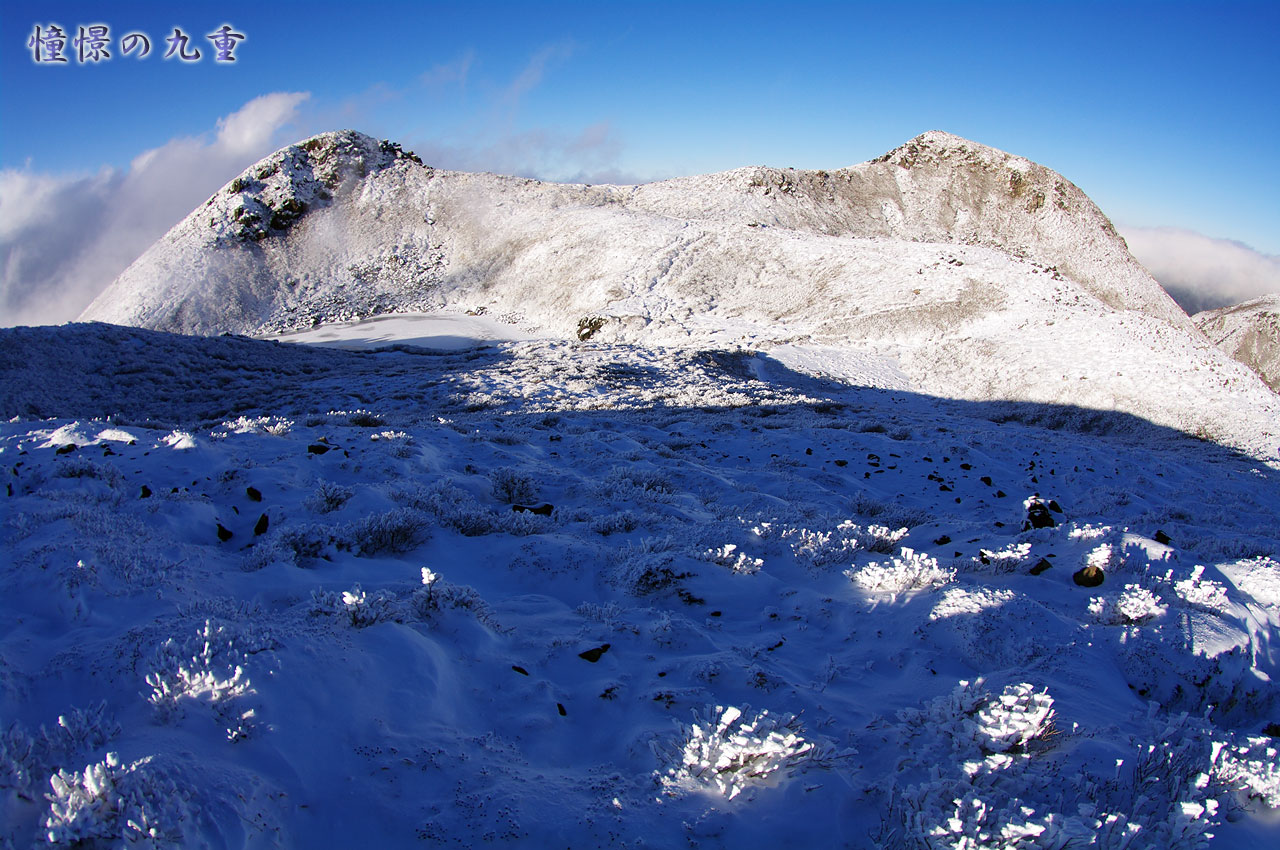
277, 628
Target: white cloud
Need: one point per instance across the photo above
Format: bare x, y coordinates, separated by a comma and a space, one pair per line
64, 238
1200, 272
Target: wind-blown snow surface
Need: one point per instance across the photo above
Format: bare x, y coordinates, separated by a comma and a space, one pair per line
982, 275
1249, 332
279, 596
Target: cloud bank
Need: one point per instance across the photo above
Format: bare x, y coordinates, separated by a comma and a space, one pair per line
1202, 273
63, 239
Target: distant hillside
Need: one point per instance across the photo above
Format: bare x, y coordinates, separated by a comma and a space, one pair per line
1249, 332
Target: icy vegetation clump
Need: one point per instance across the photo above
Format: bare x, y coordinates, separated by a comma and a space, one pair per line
729, 556
1132, 606
511, 486
910, 571
328, 497
276, 426
399, 442
356, 606
110, 801
825, 548
27, 758
727, 752
1252, 768
1200, 592
207, 667
395, 532
1005, 560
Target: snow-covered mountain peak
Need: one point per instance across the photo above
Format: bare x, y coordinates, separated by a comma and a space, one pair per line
980, 274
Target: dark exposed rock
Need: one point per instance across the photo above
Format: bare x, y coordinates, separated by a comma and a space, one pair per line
1088, 577
593, 654
254, 494
1041, 565
224, 533
261, 526
146, 492
1161, 537
1038, 516
318, 448
544, 509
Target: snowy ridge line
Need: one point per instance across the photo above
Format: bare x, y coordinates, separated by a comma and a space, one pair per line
977, 274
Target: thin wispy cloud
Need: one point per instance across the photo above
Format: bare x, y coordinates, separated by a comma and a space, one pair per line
530, 77
449, 74
1200, 272
64, 238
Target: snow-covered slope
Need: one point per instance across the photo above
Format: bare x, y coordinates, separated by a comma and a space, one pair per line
261, 595
1249, 332
982, 275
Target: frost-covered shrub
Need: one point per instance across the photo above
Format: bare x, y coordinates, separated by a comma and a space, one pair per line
25, 758
207, 667
631, 482
110, 801
328, 497
511, 486
395, 531
824, 548
1200, 592
79, 466
273, 425
1086, 531
1005, 560
180, 440
360, 417
997, 723
909, 572
648, 567
398, 442
729, 556
1134, 605
356, 606
615, 523
1101, 557
727, 752
1252, 767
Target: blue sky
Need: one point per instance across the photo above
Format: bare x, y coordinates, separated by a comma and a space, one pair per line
1164, 113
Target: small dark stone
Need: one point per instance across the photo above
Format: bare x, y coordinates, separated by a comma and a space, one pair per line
66, 450
560, 708
966, 466
593, 655
223, 533
1000, 494
1272, 729
543, 509
318, 448
942, 541
1161, 537
1055, 507
986, 479
520, 670
842, 463
1038, 516
1088, 577
261, 526
808, 451
146, 492
1041, 566
254, 494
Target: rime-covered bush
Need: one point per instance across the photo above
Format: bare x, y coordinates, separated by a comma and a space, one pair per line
614, 523
208, 667
25, 758
393, 532
825, 548
729, 556
359, 417
1132, 606
726, 752
1252, 767
1005, 560
356, 606
110, 801
274, 425
328, 497
79, 466
633, 482
910, 571
1101, 557
997, 723
399, 442
1085, 531
1200, 592
511, 486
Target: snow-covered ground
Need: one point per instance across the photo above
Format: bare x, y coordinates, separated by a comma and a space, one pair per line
269, 595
